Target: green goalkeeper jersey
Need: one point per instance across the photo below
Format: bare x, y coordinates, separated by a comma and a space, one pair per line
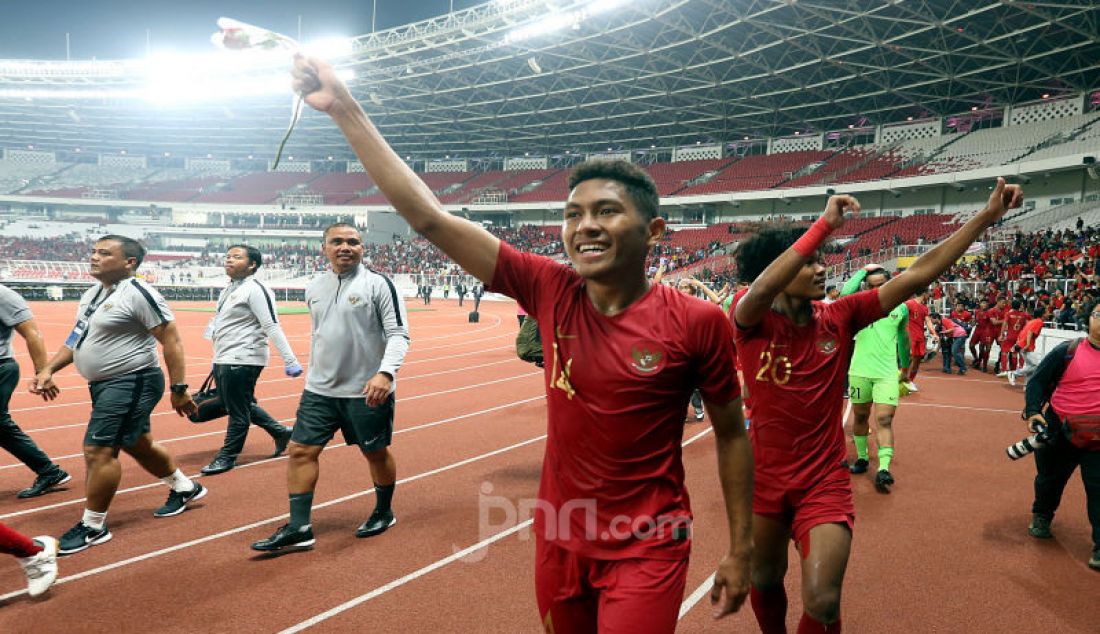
883, 347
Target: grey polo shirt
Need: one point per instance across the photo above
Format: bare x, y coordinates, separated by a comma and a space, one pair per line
360, 328
245, 319
117, 340
13, 311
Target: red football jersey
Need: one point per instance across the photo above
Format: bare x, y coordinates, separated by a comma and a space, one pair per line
984, 326
795, 376
617, 388
1015, 320
917, 314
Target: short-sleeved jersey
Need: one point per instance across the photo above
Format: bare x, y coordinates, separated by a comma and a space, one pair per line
918, 313
616, 391
117, 340
983, 325
877, 351
1015, 320
795, 377
1035, 326
13, 311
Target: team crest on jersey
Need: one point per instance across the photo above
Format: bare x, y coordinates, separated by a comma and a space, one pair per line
827, 345
108, 306
354, 300
647, 358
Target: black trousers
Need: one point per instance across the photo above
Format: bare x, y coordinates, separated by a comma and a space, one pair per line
14, 440
237, 386
1054, 465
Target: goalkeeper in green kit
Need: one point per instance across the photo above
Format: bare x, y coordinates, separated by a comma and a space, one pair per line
873, 377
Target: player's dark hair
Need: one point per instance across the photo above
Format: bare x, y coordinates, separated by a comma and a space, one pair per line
638, 184
1016, 304
254, 255
761, 249
337, 225
130, 248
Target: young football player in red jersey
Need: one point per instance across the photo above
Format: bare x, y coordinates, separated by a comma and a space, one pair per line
919, 324
996, 329
1015, 320
611, 526
794, 352
982, 340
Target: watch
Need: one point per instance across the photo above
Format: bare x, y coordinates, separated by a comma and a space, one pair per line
178, 388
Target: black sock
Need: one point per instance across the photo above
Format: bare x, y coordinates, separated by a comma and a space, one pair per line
301, 504
385, 496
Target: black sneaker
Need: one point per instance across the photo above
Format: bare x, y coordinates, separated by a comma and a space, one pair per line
81, 537
220, 464
286, 538
883, 480
281, 442
43, 483
376, 524
177, 501
859, 466
1039, 527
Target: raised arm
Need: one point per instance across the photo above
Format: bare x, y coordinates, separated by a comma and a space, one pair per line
711, 295
930, 265
472, 247
758, 300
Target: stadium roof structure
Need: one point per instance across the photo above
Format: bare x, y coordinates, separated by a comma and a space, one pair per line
510, 77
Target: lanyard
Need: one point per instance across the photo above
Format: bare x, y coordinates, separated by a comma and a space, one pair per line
85, 321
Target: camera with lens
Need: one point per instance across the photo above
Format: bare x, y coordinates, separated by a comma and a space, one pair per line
1042, 438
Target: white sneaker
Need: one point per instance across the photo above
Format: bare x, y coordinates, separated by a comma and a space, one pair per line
41, 569
1012, 378
1001, 375
912, 386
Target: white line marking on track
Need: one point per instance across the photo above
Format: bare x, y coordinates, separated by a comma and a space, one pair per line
271, 520
412, 576
694, 597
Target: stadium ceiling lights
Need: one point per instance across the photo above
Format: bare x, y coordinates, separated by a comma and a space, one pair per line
560, 20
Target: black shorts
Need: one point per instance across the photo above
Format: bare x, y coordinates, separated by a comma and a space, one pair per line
318, 418
121, 407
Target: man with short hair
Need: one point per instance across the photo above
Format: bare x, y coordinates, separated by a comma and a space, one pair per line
794, 352
1025, 345
360, 338
832, 293
15, 315
245, 319
919, 324
114, 346
625, 356
1014, 321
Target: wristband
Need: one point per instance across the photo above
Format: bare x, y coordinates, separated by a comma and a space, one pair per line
812, 240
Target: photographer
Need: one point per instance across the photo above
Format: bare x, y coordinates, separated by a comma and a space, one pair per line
1065, 383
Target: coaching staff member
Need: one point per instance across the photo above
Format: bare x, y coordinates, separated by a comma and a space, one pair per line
360, 337
244, 321
114, 346
15, 315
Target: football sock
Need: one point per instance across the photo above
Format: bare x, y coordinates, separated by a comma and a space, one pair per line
94, 520
808, 625
385, 496
15, 543
770, 607
301, 505
885, 455
861, 447
179, 482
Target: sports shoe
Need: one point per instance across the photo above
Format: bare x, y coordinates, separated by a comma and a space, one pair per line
81, 537
286, 538
43, 483
1094, 562
912, 387
177, 501
376, 524
1012, 379
699, 416
1001, 375
859, 466
281, 442
883, 480
962, 372
41, 569
1039, 526
220, 464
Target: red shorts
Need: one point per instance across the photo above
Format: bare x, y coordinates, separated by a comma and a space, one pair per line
825, 500
917, 347
618, 596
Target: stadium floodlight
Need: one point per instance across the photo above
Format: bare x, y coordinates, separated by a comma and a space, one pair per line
330, 47
561, 20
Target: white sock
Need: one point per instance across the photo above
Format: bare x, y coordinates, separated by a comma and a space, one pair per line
179, 482
94, 520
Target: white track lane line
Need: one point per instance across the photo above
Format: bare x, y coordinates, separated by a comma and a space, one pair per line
432, 567
271, 520
268, 460
695, 596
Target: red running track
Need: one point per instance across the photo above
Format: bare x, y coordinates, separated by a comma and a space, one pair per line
946, 552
